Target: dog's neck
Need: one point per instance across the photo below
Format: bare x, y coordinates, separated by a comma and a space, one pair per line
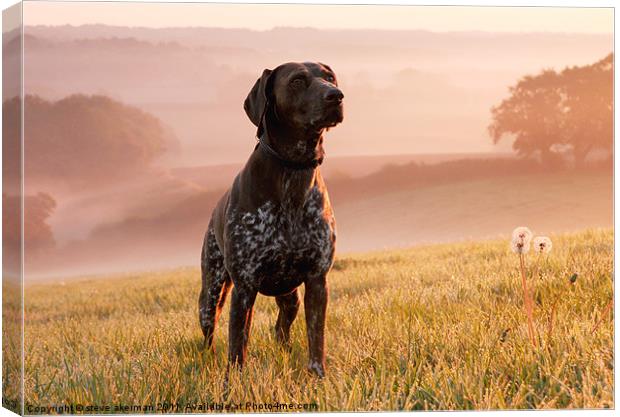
297, 146
291, 185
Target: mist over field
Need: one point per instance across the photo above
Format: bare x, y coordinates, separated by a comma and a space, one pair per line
406, 91
133, 134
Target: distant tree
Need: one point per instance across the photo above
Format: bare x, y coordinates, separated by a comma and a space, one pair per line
532, 115
37, 210
37, 233
84, 140
571, 110
589, 108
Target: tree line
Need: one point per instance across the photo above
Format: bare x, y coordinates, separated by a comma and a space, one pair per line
82, 141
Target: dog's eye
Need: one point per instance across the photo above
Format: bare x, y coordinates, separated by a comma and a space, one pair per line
298, 82
330, 78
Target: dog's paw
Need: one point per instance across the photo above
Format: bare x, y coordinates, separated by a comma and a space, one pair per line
317, 368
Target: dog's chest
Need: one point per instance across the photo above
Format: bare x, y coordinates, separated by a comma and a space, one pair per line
282, 245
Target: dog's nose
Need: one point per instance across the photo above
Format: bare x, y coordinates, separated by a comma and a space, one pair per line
334, 95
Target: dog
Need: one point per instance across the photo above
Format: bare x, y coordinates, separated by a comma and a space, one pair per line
274, 229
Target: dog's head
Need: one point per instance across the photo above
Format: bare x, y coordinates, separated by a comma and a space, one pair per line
303, 97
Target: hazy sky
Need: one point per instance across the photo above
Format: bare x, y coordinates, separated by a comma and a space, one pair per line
265, 16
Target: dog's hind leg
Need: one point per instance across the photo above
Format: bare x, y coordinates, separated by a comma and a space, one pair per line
216, 284
289, 306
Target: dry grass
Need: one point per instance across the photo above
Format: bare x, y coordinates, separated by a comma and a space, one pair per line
437, 327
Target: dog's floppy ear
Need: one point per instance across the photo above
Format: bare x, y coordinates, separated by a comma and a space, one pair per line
256, 103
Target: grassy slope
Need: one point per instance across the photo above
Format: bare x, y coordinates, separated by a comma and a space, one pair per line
410, 329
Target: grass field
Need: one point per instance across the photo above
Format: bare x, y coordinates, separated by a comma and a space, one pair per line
435, 327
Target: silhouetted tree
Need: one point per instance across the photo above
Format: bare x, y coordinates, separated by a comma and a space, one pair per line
570, 110
589, 108
37, 210
37, 233
532, 114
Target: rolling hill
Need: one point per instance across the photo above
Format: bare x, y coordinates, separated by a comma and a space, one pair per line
397, 206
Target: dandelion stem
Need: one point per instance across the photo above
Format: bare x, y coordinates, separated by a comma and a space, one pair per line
605, 313
527, 303
551, 317
536, 267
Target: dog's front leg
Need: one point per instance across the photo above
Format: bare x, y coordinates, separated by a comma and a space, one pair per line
242, 304
315, 306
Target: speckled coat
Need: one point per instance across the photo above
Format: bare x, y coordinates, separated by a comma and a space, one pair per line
269, 245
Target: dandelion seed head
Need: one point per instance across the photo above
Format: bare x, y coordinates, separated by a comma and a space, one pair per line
519, 247
522, 234
542, 244
521, 238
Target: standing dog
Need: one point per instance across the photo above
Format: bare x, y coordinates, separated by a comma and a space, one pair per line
274, 229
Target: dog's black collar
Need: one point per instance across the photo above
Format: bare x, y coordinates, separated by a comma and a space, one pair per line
297, 166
